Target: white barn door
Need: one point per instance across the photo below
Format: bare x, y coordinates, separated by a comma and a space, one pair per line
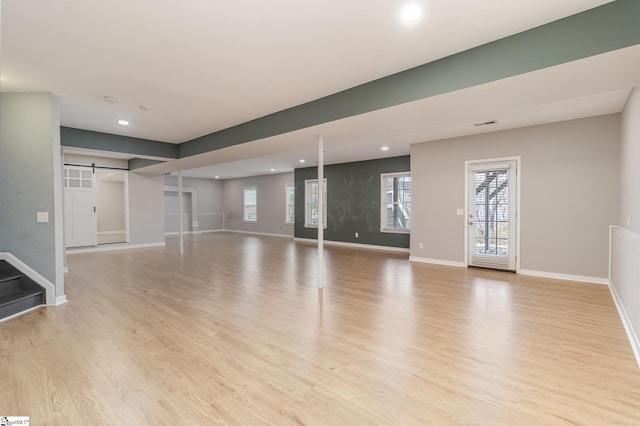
80, 218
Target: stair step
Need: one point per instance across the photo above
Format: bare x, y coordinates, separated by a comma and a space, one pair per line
9, 278
14, 303
9, 285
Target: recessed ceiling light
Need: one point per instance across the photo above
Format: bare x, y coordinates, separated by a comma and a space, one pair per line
385, 148
217, 177
111, 99
124, 123
302, 160
272, 170
410, 14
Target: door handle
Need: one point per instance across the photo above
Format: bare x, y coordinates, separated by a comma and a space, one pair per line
470, 222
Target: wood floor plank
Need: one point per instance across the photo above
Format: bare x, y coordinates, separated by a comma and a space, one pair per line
236, 332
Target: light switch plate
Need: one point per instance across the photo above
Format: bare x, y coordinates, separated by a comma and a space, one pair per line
195, 223
42, 217
460, 212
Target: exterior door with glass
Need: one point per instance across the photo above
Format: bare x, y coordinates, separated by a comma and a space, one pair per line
492, 214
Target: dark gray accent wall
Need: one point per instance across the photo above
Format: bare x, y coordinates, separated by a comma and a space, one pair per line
78, 138
353, 202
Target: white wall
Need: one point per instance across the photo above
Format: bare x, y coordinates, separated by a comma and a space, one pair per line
270, 204
111, 206
146, 208
630, 164
30, 182
203, 204
569, 193
625, 245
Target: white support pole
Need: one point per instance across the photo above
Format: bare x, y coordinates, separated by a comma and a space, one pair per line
181, 210
320, 211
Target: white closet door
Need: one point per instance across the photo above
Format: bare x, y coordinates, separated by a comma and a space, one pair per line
80, 218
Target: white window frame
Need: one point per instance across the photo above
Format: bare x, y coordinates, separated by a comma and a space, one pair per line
383, 204
245, 205
307, 204
287, 205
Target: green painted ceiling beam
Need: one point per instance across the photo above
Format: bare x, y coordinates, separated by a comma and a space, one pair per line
606, 28
610, 27
87, 139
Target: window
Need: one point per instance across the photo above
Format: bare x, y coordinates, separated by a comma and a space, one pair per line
311, 195
290, 204
250, 207
396, 202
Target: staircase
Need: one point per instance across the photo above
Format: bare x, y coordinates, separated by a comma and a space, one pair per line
17, 291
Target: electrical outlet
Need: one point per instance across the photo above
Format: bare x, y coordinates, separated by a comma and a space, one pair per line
421, 245
195, 223
356, 235
42, 217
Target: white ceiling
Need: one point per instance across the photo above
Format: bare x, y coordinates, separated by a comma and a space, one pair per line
202, 66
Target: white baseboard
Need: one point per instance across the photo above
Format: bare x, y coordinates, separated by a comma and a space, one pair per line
354, 245
204, 231
50, 288
61, 299
112, 232
21, 313
113, 247
565, 277
267, 234
437, 261
628, 327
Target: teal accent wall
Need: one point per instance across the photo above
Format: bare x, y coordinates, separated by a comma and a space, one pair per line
353, 202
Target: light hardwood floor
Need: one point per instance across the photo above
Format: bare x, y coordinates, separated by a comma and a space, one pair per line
235, 332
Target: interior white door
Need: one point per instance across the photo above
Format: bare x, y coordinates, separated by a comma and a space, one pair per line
80, 218
492, 214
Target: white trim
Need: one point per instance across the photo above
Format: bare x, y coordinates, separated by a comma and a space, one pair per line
266, 234
112, 232
245, 205
354, 245
628, 327
438, 262
21, 313
49, 287
286, 203
383, 204
307, 211
203, 231
565, 277
58, 206
493, 161
61, 299
113, 247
